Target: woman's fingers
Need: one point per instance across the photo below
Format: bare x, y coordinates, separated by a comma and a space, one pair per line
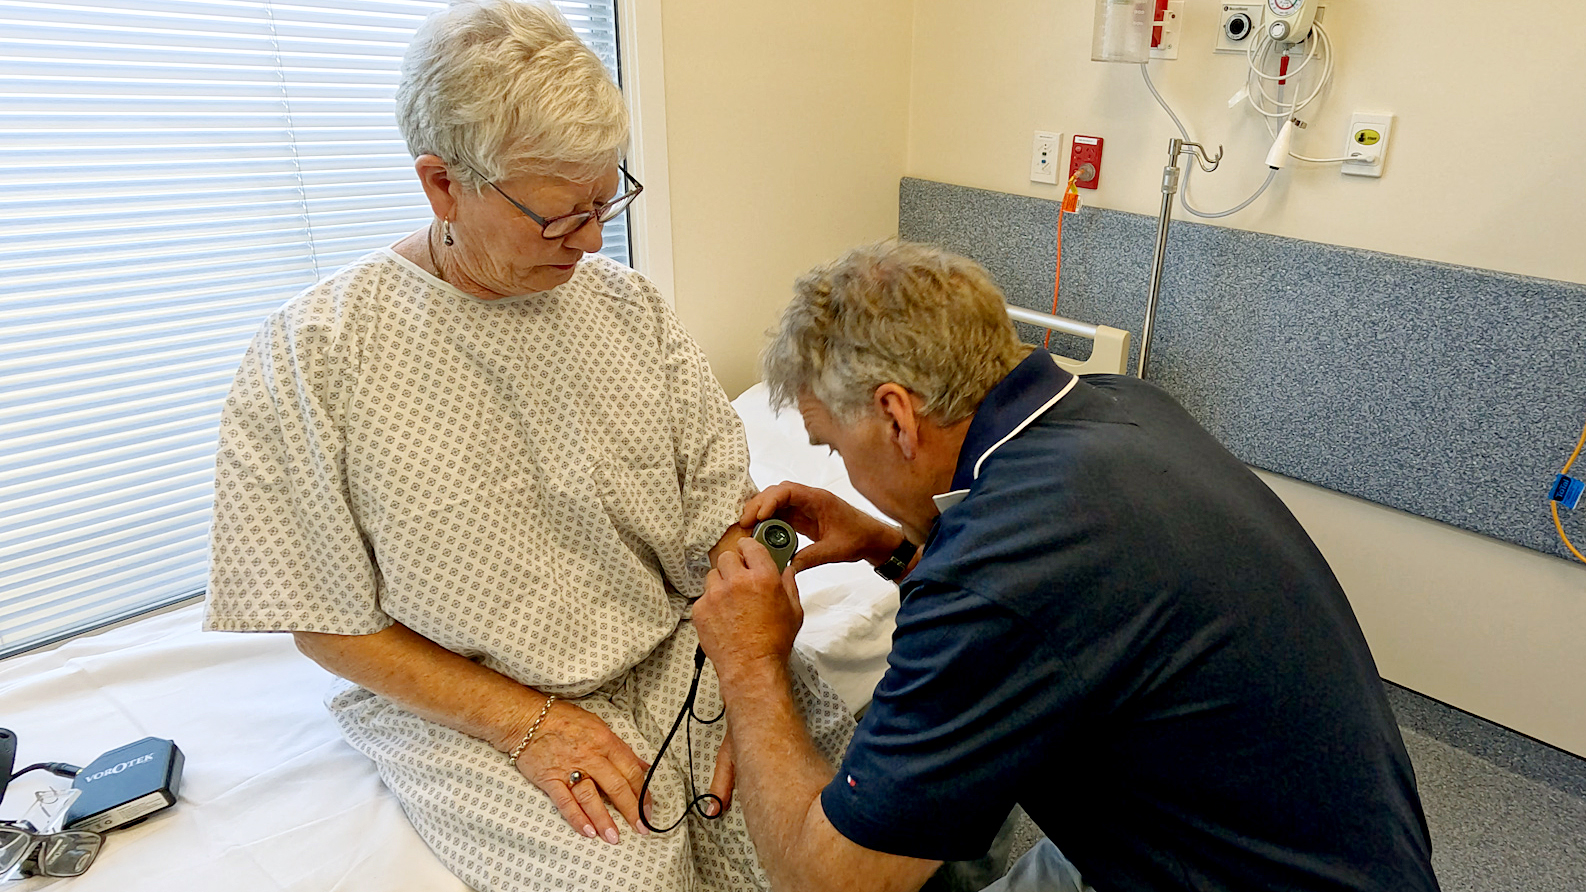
633, 770
567, 803
620, 791
587, 794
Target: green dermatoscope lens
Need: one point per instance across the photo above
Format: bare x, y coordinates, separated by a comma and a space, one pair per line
779, 539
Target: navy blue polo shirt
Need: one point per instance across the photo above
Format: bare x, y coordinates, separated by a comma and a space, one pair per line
1116, 625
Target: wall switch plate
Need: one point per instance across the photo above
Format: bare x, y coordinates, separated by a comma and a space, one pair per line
1044, 156
1165, 34
1367, 144
1239, 27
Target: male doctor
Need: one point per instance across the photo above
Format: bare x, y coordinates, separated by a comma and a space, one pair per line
1106, 618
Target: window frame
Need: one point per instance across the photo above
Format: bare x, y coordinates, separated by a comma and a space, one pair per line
642, 63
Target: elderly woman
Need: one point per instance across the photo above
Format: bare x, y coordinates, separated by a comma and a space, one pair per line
482, 474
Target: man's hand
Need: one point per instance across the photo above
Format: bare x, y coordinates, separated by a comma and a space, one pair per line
721, 782
747, 620
837, 531
748, 613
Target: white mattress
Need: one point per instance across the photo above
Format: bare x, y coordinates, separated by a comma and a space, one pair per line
271, 798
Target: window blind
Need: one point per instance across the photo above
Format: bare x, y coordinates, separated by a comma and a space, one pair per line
171, 171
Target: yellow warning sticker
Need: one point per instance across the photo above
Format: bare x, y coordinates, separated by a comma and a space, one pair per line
1368, 137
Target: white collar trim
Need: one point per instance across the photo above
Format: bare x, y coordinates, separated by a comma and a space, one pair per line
1072, 380
948, 499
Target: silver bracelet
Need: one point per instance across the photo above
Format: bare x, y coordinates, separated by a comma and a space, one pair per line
512, 757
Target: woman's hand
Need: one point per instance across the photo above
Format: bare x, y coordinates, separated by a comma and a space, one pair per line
837, 530
574, 739
454, 691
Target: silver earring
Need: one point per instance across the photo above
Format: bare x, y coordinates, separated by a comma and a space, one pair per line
446, 233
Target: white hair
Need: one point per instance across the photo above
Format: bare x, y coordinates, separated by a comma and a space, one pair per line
504, 87
895, 312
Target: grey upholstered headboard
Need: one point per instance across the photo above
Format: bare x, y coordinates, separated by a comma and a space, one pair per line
1448, 392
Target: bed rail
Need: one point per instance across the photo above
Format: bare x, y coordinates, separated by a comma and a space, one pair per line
1108, 355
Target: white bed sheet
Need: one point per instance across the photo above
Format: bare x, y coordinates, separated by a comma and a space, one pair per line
271, 798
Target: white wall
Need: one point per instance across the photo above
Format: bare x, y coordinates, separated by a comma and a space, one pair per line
787, 125
1473, 80
1488, 627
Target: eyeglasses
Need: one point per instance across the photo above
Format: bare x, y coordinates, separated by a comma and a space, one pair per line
68, 853
567, 224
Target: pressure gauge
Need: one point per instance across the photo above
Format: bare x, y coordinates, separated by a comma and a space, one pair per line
1293, 20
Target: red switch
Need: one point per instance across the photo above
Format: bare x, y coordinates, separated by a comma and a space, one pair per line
1156, 33
1086, 153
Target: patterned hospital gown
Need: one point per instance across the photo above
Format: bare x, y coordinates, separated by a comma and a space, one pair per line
532, 482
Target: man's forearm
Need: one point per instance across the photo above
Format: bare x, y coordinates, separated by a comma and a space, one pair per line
780, 774
780, 778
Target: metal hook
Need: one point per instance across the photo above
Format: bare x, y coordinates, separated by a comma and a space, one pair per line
1199, 152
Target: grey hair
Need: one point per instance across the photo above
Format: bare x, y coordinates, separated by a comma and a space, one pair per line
506, 88
901, 312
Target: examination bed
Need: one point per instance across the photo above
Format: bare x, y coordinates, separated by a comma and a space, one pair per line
271, 798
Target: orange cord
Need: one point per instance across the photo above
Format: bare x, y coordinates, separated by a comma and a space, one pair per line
1557, 524
1070, 206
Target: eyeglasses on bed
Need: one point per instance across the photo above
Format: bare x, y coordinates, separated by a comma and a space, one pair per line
567, 224
68, 853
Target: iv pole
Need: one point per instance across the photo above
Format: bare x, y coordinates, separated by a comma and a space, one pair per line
1170, 184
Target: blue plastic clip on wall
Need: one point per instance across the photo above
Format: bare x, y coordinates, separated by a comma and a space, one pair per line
1567, 491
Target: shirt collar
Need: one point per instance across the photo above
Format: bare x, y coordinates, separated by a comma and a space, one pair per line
1034, 386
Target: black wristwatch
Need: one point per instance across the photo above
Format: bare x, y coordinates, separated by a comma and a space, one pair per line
893, 568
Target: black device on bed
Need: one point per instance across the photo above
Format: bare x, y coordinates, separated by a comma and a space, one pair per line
779, 539
8, 758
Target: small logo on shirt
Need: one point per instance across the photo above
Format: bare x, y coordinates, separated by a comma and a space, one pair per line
852, 783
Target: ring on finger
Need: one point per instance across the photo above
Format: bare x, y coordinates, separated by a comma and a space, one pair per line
575, 776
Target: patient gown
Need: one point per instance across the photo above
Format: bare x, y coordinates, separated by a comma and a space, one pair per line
534, 483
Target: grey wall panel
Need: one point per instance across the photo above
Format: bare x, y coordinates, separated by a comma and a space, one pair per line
1448, 392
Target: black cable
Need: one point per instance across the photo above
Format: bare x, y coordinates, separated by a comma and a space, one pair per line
687, 712
59, 769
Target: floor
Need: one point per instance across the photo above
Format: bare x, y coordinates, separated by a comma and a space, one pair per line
1507, 814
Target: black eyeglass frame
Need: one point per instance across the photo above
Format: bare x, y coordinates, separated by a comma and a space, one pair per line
603, 214
31, 855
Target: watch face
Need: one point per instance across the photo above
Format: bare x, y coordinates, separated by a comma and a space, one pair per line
1283, 7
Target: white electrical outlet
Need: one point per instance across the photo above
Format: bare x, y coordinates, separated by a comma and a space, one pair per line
1367, 144
1044, 156
1239, 27
1172, 25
